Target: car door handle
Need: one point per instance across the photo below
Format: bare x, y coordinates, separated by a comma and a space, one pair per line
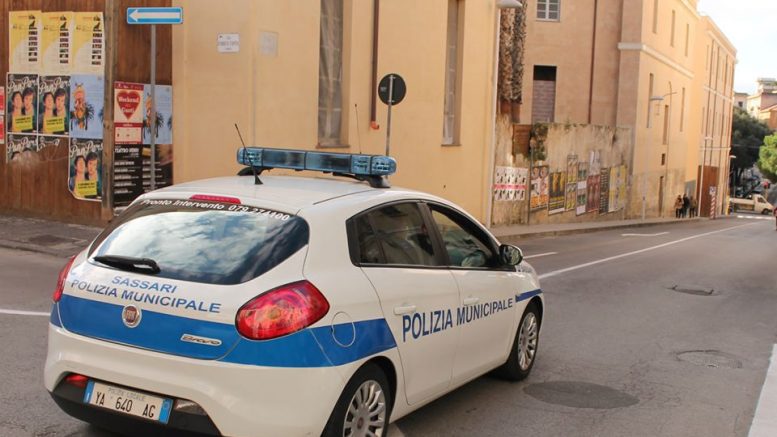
471, 301
407, 309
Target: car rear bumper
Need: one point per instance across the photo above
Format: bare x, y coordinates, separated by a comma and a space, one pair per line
237, 399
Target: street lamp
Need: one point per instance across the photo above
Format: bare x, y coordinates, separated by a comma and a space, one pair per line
508, 4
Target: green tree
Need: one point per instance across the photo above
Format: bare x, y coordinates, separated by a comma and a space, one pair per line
767, 160
747, 136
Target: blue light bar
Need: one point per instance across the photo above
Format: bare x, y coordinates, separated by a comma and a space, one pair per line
344, 163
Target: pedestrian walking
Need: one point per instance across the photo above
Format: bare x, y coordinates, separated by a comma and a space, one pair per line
694, 206
775, 217
678, 206
686, 205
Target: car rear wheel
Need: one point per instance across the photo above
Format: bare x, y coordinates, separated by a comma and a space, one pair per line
364, 406
524, 350
765, 211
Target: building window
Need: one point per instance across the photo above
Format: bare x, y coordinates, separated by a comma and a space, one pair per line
543, 105
451, 113
666, 125
649, 96
655, 16
548, 9
687, 37
330, 73
671, 38
682, 110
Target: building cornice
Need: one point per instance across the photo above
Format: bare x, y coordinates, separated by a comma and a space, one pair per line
636, 46
719, 94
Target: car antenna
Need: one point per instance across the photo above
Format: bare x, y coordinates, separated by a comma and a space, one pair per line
245, 157
358, 132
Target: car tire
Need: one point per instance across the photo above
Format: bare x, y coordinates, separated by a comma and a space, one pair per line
765, 211
523, 353
358, 410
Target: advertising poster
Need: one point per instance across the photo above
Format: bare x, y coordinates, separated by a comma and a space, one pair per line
128, 112
592, 198
24, 41
85, 168
2, 115
88, 43
86, 106
50, 142
571, 197
582, 192
557, 192
582, 172
18, 146
131, 171
55, 42
622, 188
53, 105
164, 166
164, 114
21, 95
510, 183
571, 168
604, 191
539, 187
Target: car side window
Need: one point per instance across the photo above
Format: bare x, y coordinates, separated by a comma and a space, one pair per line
395, 234
461, 240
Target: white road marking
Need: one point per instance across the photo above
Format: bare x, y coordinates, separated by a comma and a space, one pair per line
539, 255
636, 252
765, 422
644, 235
24, 313
753, 217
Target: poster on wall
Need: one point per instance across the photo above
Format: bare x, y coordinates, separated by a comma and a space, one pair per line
582, 193
55, 42
47, 143
622, 188
21, 101
53, 105
19, 146
592, 198
571, 168
539, 187
510, 183
131, 173
557, 192
128, 112
24, 41
2, 115
570, 197
604, 191
86, 106
164, 114
85, 169
88, 43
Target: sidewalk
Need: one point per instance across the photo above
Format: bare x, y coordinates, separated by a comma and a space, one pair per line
65, 239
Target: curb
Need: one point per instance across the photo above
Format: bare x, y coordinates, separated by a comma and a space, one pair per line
34, 248
572, 231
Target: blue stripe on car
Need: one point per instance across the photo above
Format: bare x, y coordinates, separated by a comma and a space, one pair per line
527, 295
313, 347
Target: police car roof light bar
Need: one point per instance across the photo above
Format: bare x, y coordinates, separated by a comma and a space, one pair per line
370, 168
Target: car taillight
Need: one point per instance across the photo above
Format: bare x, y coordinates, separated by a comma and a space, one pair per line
61, 279
77, 380
281, 311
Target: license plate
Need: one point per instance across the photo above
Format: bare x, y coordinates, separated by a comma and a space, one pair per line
128, 402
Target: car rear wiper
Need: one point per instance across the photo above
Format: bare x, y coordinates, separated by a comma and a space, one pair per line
129, 263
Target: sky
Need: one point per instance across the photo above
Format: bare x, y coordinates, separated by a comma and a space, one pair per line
751, 25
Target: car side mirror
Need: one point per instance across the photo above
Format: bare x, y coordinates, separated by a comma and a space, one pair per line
510, 255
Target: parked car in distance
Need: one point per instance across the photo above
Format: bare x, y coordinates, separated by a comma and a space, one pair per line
753, 202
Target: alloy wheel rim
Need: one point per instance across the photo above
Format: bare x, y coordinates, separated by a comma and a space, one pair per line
527, 341
366, 414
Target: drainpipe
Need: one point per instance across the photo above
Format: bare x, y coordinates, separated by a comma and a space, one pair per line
374, 90
591, 76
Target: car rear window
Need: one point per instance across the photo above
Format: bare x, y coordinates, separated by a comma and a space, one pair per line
203, 241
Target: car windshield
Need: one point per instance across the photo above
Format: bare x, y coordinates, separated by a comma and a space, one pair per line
203, 241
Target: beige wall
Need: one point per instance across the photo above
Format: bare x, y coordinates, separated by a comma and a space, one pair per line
274, 98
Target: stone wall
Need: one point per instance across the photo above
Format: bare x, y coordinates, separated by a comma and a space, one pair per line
572, 159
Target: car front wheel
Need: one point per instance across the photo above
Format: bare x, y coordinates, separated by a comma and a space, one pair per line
524, 350
364, 406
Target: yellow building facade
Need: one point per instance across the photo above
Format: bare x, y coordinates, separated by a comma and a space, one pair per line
260, 64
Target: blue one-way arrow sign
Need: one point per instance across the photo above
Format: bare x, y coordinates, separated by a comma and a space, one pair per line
154, 15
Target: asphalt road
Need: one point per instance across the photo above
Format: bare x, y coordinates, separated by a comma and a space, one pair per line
667, 332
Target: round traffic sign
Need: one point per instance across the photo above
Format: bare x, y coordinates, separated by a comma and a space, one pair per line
394, 85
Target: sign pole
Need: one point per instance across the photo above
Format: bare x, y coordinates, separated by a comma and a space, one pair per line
152, 116
388, 121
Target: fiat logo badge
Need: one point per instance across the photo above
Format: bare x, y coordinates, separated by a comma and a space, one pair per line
130, 315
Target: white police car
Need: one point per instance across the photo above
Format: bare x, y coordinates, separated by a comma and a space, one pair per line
262, 305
